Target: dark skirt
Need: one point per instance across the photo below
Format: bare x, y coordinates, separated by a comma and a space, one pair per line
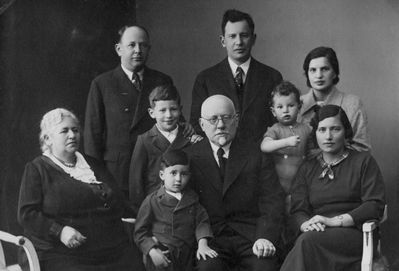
334, 249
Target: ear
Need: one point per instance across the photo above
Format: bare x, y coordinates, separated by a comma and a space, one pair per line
253, 39
161, 175
151, 112
201, 123
273, 112
222, 40
118, 49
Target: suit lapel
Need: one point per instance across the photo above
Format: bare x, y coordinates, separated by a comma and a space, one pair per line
124, 86
252, 84
180, 141
238, 158
207, 164
158, 140
226, 76
142, 101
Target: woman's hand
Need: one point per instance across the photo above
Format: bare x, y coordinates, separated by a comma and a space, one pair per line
159, 258
316, 223
71, 238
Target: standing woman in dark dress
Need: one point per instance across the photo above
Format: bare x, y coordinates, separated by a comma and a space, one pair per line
333, 194
69, 205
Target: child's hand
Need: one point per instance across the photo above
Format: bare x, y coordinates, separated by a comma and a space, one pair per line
204, 250
159, 258
195, 138
293, 141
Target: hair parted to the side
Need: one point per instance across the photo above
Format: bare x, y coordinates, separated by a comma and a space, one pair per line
326, 52
164, 93
285, 88
233, 15
49, 121
174, 157
329, 111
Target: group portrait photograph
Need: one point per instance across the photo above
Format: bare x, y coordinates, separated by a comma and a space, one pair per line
199, 135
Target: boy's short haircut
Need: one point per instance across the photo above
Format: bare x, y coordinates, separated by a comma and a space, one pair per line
164, 93
285, 88
174, 157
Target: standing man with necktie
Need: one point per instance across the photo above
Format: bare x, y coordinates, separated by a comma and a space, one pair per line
240, 77
116, 111
239, 188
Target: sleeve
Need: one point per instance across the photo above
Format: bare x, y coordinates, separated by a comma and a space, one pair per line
143, 226
94, 131
203, 226
272, 132
301, 208
30, 213
358, 120
271, 202
138, 173
372, 193
199, 94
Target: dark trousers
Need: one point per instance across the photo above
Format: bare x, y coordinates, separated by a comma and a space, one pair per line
182, 259
235, 253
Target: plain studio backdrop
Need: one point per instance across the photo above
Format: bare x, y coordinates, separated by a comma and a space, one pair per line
51, 50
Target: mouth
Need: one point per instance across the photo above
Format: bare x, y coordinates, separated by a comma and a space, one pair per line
287, 117
328, 144
319, 83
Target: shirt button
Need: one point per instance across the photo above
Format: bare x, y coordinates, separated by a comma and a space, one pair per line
126, 109
103, 194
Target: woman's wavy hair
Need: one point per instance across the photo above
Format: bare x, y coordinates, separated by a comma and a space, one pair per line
328, 111
49, 121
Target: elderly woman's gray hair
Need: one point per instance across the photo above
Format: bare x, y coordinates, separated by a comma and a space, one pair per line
49, 121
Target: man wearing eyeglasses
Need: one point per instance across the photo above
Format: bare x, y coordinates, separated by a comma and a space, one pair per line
240, 77
239, 188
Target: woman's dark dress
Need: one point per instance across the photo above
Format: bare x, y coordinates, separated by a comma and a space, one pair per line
50, 199
357, 189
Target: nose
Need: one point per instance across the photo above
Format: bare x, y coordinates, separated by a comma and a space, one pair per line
220, 124
285, 109
318, 73
178, 177
71, 133
137, 48
328, 135
168, 113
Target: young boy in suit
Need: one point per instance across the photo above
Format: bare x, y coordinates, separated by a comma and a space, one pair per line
165, 135
171, 220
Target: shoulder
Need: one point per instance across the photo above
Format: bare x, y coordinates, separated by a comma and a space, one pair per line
210, 71
157, 75
106, 76
350, 100
197, 147
265, 68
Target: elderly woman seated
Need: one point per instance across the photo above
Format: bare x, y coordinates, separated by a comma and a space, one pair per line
69, 205
333, 194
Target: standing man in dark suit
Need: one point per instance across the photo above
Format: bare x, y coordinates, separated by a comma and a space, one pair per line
240, 77
239, 188
116, 111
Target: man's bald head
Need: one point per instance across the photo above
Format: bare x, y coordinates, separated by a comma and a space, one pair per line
218, 119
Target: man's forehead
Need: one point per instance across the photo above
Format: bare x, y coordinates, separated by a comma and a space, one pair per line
217, 108
134, 34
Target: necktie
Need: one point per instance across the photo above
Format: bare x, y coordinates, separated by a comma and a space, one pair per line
239, 82
222, 162
136, 81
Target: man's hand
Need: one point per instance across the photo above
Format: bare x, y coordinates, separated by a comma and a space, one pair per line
263, 248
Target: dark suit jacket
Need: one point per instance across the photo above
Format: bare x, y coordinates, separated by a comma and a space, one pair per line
250, 200
256, 115
171, 221
145, 163
116, 113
